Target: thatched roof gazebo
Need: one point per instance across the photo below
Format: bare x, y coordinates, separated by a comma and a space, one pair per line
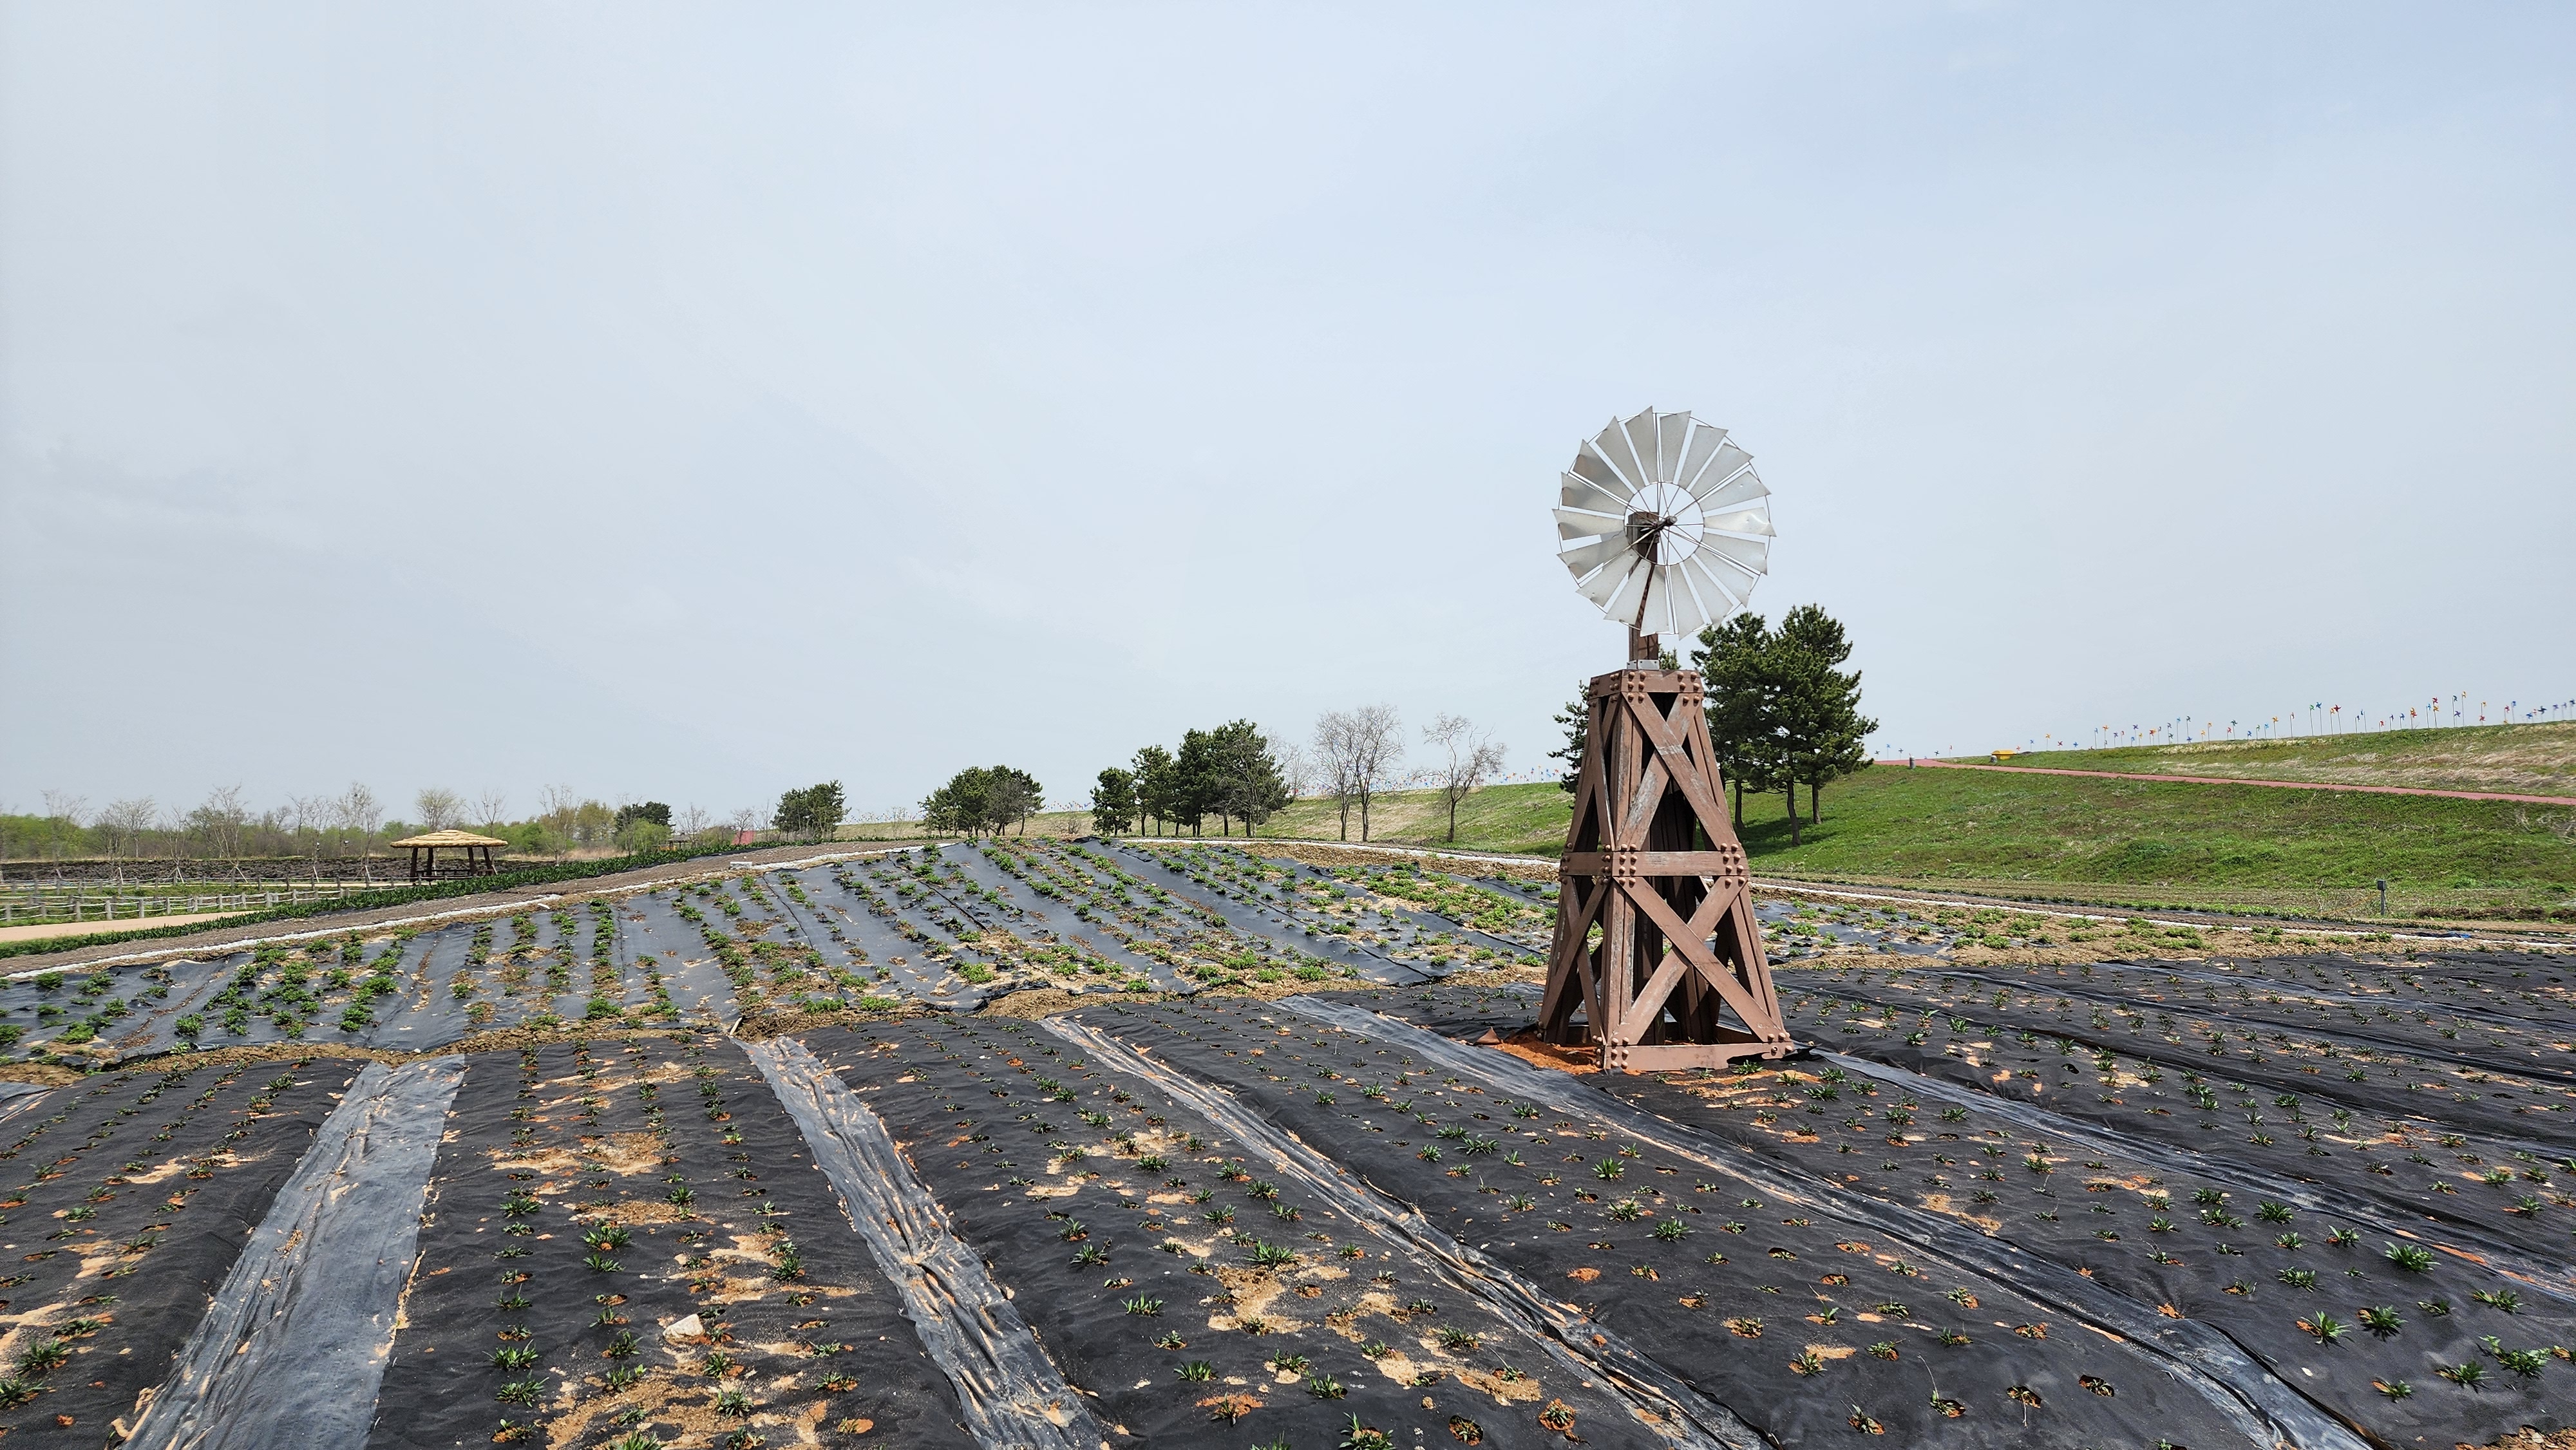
476, 858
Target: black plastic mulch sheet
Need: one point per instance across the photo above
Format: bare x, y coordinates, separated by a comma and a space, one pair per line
2418, 1171
1791, 927
913, 972
293, 1345
589, 1200
2324, 984
1243, 877
811, 923
126, 1199
1031, 917
426, 1013
1208, 876
302, 992
651, 926
2395, 1019
1008, 1391
2279, 1240
1070, 1179
1122, 915
2258, 1263
2504, 1104
1465, 1013
1797, 1318
153, 1026
1404, 924
1264, 922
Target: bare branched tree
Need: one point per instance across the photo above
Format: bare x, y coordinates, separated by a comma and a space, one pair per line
492, 806
358, 810
747, 819
175, 827
125, 822
1296, 770
63, 821
690, 820
562, 812
221, 822
439, 808
1360, 752
1468, 758
307, 817
1333, 762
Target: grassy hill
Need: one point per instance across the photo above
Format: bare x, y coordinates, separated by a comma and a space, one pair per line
2181, 844
1524, 818
2534, 759
2118, 842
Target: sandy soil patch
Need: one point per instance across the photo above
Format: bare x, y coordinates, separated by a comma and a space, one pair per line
123, 923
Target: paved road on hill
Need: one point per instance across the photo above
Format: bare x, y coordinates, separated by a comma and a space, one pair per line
2457, 795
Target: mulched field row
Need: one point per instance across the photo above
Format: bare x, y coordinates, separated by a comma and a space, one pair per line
2321, 1201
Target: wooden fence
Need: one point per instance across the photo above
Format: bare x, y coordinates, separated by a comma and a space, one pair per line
29, 907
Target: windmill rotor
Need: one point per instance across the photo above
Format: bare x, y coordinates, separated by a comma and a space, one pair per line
1663, 523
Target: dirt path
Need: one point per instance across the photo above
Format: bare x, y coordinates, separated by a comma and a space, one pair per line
2457, 795
90, 928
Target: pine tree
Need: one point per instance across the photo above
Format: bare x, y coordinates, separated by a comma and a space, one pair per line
1576, 721
1736, 659
1244, 782
1823, 732
1156, 783
1194, 780
1113, 802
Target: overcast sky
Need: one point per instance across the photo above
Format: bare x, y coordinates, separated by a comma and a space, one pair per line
687, 403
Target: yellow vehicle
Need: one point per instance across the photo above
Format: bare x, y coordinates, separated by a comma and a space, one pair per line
2003, 755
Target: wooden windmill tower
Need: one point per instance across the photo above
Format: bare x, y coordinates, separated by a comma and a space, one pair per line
1665, 527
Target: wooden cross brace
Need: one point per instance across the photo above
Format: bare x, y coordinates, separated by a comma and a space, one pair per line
1656, 940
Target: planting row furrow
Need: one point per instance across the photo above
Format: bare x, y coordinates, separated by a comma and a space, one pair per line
1656, 1398
2547, 1274
1012, 1394
1489, 1166
2504, 1105
2395, 1023
627, 1241
2387, 1333
2390, 1175
1179, 1280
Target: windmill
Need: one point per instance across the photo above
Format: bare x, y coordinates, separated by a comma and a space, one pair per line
1667, 528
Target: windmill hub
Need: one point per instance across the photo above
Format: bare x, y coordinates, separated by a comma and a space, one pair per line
1663, 523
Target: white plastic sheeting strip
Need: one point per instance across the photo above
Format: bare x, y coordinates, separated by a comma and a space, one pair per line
1013, 1396
294, 1347
1662, 1401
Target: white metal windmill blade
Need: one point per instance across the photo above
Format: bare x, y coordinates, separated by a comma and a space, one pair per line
1664, 525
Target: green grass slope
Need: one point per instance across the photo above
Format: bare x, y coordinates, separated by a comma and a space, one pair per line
2115, 841
1523, 818
2534, 759
1890, 822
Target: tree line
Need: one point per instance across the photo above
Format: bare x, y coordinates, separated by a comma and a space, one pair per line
1241, 775
1233, 772
327, 834
983, 800
1781, 711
